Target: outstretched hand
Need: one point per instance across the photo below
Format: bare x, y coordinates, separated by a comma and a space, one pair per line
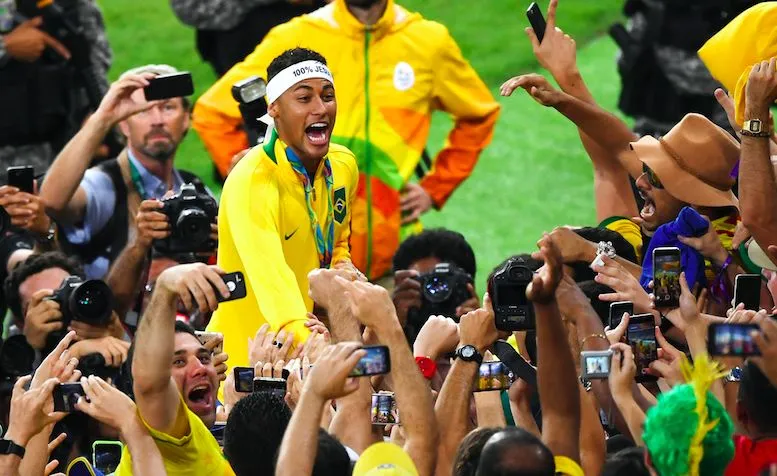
542, 289
536, 85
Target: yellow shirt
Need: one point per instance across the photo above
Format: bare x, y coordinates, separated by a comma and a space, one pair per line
567, 466
195, 454
265, 232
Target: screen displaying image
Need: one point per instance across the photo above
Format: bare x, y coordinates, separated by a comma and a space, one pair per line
494, 376
666, 278
374, 363
733, 339
244, 381
642, 339
384, 409
597, 365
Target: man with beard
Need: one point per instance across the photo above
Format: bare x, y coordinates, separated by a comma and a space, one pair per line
96, 208
174, 377
393, 69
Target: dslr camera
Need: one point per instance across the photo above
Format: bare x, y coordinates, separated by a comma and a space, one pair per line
86, 301
190, 214
507, 288
442, 291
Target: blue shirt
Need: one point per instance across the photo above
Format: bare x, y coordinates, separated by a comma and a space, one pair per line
101, 204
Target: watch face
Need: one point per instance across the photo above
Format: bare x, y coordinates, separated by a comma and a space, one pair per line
467, 351
754, 126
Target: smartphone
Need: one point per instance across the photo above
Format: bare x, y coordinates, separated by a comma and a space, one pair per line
641, 336
595, 364
168, 86
236, 284
384, 409
494, 376
244, 379
666, 276
732, 339
206, 337
275, 386
376, 362
537, 21
22, 177
66, 395
512, 359
747, 291
218, 432
616, 312
106, 455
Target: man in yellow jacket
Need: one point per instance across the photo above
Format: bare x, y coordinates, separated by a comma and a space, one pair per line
285, 209
393, 69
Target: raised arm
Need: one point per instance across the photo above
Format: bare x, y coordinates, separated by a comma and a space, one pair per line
556, 377
158, 399
373, 307
758, 190
63, 197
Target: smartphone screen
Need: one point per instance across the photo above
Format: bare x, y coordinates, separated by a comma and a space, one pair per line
22, 177
641, 336
666, 276
494, 376
384, 409
616, 312
275, 386
537, 21
732, 339
106, 455
244, 379
236, 284
747, 291
66, 395
168, 86
376, 362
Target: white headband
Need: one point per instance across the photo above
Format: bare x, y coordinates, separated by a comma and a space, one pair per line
283, 81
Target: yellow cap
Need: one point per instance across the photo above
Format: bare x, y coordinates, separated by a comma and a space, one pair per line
750, 38
384, 459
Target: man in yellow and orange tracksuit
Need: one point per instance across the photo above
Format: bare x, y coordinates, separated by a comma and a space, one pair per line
393, 69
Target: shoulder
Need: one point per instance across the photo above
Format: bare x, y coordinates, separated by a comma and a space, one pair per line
342, 156
253, 169
412, 23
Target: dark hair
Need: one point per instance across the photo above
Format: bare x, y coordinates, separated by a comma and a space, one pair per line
592, 290
446, 245
254, 433
331, 458
291, 57
626, 462
34, 265
184, 328
623, 248
757, 395
468, 454
511, 445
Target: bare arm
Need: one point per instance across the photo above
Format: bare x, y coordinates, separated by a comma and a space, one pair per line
302, 433
124, 277
452, 412
488, 406
146, 458
593, 449
622, 372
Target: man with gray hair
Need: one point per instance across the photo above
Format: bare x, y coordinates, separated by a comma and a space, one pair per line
97, 208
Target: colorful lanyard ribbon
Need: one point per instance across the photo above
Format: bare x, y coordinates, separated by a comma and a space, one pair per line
136, 179
324, 240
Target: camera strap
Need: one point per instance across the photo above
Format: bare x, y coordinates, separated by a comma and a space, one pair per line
324, 239
134, 186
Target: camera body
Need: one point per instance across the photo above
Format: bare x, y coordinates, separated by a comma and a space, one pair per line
5, 221
507, 289
86, 301
595, 364
190, 214
442, 291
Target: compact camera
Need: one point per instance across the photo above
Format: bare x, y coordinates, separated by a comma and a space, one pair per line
507, 288
595, 364
442, 291
86, 301
190, 214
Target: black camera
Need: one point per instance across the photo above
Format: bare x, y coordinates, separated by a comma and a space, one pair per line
190, 214
86, 301
507, 288
5, 221
442, 291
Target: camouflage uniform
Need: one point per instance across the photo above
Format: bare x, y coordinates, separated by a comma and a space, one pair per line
40, 155
218, 15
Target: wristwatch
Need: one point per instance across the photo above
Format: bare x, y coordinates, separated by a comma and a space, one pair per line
427, 366
734, 375
468, 353
755, 128
8, 447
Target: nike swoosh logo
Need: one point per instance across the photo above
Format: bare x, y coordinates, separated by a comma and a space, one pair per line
287, 237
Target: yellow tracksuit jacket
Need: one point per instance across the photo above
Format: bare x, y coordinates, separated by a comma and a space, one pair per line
389, 78
265, 232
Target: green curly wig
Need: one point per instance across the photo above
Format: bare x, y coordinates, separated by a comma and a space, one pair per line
672, 428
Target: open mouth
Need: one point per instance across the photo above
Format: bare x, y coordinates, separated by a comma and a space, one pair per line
317, 133
201, 396
648, 209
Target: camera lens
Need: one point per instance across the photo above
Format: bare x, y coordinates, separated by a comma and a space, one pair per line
193, 224
437, 289
91, 302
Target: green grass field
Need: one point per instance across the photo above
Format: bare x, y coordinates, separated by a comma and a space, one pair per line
533, 177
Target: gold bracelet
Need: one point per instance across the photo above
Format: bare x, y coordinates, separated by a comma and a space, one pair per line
601, 336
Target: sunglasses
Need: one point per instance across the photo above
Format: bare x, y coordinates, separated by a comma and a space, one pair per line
651, 176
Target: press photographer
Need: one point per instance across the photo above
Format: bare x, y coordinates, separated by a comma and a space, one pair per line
53, 65
97, 208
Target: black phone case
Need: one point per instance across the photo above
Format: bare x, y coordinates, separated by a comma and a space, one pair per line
537, 21
22, 178
239, 290
169, 86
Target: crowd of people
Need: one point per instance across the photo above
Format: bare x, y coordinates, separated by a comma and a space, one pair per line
303, 322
